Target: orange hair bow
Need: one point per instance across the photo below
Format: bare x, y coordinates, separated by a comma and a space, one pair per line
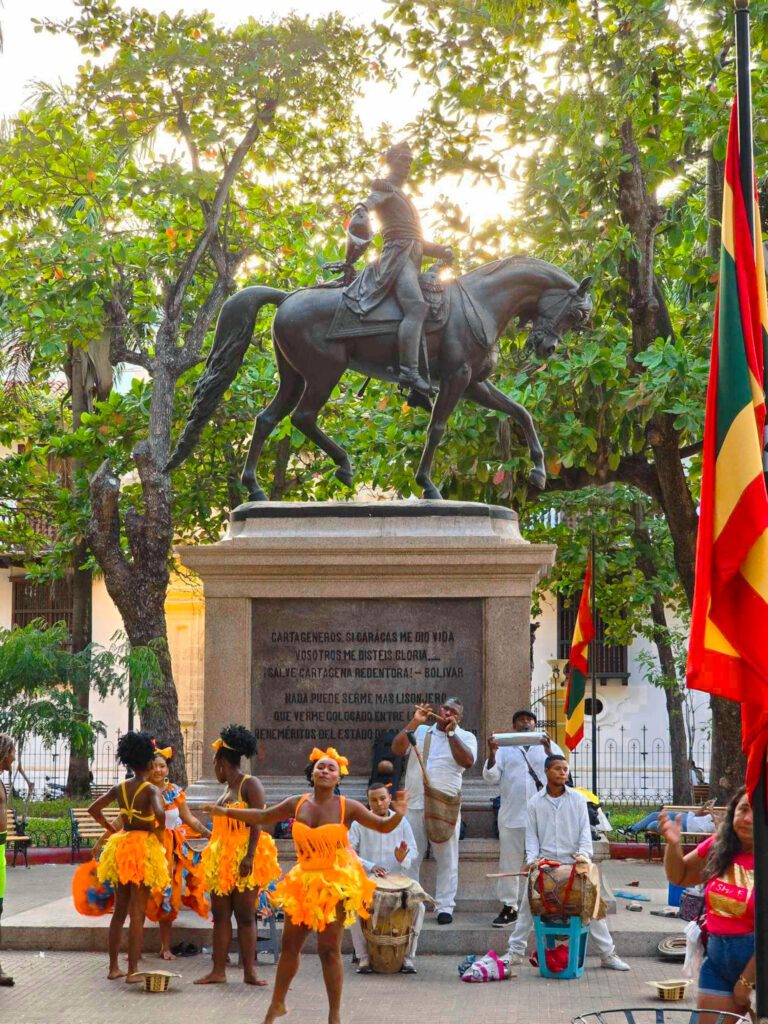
334, 755
219, 743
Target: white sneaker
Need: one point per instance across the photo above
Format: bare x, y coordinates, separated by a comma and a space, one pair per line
613, 963
364, 967
409, 967
513, 959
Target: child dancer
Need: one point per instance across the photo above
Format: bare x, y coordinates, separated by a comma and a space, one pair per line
328, 889
239, 859
186, 879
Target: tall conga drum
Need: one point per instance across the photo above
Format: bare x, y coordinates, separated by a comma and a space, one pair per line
389, 929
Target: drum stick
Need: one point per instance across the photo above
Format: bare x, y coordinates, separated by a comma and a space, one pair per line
506, 874
419, 758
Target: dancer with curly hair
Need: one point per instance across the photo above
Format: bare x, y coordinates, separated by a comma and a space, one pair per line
133, 860
328, 889
239, 860
183, 863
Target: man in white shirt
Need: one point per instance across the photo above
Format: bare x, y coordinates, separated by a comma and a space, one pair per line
450, 751
519, 774
381, 854
558, 829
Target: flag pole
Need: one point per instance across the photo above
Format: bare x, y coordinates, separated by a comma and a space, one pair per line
592, 652
759, 809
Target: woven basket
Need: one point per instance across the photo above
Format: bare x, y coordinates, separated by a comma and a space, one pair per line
157, 981
670, 991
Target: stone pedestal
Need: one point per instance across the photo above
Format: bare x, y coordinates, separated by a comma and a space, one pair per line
325, 621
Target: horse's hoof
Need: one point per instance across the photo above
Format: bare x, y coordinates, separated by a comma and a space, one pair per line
346, 475
257, 495
431, 493
538, 478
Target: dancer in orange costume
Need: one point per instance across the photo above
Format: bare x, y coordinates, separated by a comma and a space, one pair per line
328, 888
133, 860
187, 884
240, 858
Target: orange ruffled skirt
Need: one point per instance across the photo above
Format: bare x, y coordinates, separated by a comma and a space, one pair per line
134, 857
311, 896
187, 885
223, 855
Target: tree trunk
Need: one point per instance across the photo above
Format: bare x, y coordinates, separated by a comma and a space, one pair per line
678, 742
138, 585
79, 776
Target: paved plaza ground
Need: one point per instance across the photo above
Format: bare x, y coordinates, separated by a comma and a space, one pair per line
71, 987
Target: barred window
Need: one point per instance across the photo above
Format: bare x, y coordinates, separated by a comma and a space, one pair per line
610, 659
51, 602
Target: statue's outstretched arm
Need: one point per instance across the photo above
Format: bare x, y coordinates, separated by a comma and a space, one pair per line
440, 252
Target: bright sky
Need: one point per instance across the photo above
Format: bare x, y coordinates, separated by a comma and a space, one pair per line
28, 57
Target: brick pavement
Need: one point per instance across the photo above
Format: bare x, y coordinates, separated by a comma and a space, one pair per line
71, 988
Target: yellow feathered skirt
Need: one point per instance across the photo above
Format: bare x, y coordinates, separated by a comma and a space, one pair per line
223, 855
311, 896
134, 857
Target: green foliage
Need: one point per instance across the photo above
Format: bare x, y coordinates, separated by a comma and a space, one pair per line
38, 676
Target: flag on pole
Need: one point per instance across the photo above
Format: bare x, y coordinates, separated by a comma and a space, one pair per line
578, 665
728, 650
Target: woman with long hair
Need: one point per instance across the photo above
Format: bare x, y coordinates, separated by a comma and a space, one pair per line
133, 860
328, 889
186, 881
239, 860
725, 864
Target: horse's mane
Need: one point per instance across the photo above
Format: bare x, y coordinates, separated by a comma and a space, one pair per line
534, 263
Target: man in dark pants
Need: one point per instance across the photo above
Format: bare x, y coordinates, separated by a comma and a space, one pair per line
7, 757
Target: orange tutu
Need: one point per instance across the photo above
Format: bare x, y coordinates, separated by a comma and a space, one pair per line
90, 896
134, 857
223, 855
328, 874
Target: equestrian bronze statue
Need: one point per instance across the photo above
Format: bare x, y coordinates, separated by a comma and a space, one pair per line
394, 324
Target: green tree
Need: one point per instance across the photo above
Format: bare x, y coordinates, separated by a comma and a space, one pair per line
186, 155
596, 110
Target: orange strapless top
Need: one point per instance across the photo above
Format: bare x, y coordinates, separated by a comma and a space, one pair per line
317, 848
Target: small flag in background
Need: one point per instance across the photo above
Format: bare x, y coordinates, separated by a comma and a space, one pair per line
579, 665
728, 651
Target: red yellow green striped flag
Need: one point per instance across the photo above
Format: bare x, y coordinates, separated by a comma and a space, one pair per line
728, 650
578, 667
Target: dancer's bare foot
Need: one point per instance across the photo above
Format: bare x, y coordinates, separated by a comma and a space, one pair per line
115, 973
211, 979
252, 979
135, 978
275, 1010
166, 954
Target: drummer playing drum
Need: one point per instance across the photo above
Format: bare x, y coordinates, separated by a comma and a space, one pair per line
382, 853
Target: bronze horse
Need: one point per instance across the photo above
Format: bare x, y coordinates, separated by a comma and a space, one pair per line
462, 354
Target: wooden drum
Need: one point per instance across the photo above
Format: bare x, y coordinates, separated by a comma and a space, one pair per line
389, 929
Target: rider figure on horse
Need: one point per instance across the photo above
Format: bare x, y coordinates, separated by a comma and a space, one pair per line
397, 268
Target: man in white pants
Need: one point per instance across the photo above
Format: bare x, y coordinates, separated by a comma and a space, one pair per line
558, 829
450, 751
519, 774
381, 854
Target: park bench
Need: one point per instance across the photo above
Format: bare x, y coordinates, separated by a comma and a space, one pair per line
655, 839
85, 830
15, 837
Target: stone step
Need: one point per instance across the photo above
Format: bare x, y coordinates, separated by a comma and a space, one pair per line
57, 926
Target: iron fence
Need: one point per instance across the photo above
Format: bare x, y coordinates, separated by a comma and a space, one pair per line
41, 769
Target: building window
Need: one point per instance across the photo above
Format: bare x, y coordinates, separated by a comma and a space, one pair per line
610, 659
51, 602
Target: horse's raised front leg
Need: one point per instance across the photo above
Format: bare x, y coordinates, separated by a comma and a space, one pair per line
286, 398
489, 396
316, 394
451, 390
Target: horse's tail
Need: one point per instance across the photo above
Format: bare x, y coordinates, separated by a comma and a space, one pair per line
234, 332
